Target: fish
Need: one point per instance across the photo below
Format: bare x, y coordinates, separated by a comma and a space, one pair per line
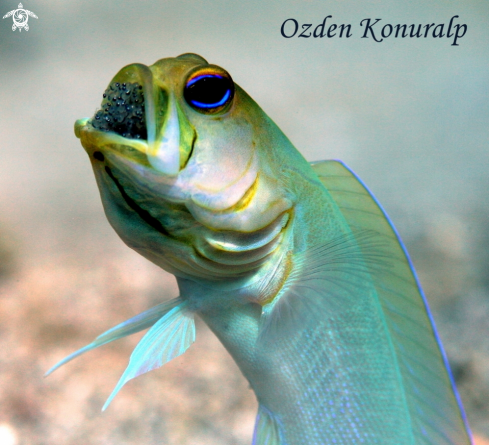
294, 266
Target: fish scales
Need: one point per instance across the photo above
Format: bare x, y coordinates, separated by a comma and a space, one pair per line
326, 395
294, 266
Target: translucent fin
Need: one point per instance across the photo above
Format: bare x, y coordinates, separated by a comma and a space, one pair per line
325, 280
436, 413
135, 324
267, 430
167, 339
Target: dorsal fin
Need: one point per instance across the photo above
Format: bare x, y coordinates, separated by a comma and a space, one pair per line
434, 406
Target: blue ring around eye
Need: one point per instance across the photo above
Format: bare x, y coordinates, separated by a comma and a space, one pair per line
195, 79
215, 104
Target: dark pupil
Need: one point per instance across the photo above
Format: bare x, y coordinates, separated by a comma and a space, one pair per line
208, 92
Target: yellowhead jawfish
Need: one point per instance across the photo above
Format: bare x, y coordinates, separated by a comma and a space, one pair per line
294, 266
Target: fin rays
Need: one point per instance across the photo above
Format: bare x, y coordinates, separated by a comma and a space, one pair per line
172, 332
267, 428
135, 324
167, 339
420, 357
341, 265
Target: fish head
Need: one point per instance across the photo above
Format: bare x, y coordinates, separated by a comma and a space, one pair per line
180, 150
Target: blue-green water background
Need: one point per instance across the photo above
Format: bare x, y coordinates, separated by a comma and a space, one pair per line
410, 116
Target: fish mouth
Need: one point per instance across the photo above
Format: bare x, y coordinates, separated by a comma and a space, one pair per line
145, 113
135, 150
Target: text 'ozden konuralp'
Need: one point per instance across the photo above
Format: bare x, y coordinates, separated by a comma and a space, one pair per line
375, 30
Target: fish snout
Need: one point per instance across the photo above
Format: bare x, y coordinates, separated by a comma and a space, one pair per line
140, 120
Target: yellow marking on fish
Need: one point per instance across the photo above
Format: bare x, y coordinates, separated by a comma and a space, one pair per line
274, 288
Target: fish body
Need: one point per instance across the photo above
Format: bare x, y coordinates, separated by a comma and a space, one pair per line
294, 266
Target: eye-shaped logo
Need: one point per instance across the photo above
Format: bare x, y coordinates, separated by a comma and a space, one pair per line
20, 17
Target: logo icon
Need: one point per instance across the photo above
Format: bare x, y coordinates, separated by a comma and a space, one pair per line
20, 17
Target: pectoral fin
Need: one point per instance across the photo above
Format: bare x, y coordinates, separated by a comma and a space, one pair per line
326, 280
135, 324
167, 339
267, 428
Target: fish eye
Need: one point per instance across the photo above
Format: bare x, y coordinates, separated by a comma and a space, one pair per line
209, 91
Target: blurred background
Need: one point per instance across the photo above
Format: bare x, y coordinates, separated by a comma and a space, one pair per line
409, 116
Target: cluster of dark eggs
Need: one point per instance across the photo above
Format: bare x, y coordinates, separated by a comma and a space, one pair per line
122, 111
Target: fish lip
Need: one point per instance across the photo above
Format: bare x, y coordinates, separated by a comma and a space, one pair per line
96, 140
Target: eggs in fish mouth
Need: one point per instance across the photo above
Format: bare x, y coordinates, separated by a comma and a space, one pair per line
122, 111
150, 117
177, 151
